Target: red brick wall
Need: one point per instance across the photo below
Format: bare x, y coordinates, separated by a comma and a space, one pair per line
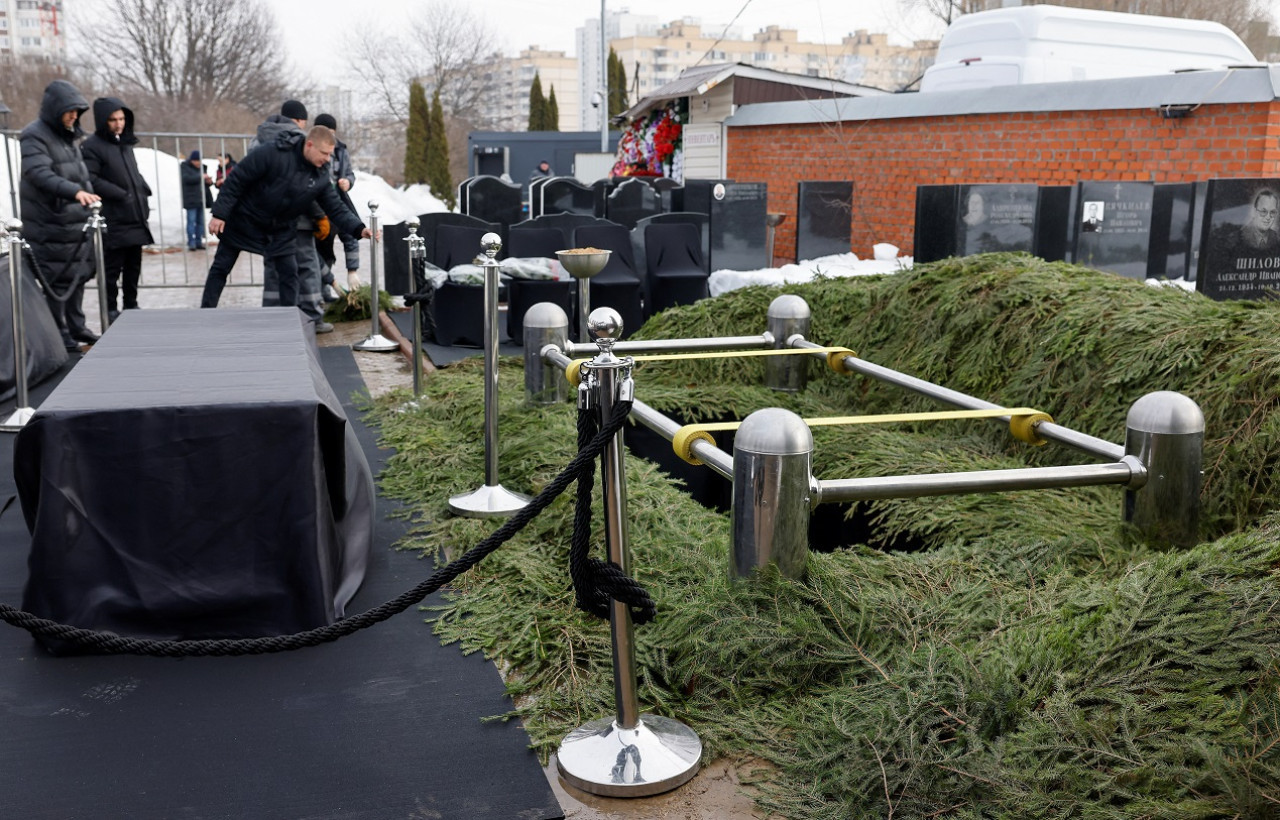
887, 159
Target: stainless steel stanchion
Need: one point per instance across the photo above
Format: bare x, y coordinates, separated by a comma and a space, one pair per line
771, 223
417, 251
98, 225
1165, 430
772, 493
583, 266
544, 324
628, 755
492, 500
376, 342
788, 316
20, 416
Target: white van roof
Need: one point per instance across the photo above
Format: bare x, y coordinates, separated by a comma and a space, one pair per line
1043, 43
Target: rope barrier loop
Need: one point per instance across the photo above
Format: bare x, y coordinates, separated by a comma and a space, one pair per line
113, 644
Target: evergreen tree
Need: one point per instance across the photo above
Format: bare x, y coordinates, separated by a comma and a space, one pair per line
537, 105
418, 136
437, 159
552, 122
617, 75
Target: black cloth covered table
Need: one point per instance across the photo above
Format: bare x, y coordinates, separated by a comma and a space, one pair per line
195, 476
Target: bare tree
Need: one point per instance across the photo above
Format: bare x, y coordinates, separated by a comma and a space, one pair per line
445, 46
197, 52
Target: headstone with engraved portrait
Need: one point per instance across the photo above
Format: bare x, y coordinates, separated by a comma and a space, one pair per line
996, 218
1171, 216
1240, 244
1055, 210
935, 230
736, 212
1114, 226
824, 219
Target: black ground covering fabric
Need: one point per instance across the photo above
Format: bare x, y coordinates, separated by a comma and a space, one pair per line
382, 724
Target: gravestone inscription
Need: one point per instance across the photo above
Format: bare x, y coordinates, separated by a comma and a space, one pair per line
996, 218
1114, 226
1240, 244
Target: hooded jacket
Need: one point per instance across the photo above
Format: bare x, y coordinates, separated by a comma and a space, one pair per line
113, 169
272, 186
53, 172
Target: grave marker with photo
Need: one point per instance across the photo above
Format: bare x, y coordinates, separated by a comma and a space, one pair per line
1240, 244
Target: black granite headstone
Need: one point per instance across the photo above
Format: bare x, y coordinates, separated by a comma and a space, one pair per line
824, 217
565, 195
1198, 209
995, 218
935, 232
493, 200
1240, 248
1171, 210
736, 212
1055, 211
632, 201
1114, 226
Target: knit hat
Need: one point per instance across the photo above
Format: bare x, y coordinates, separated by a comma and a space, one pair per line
294, 110
327, 121
193, 156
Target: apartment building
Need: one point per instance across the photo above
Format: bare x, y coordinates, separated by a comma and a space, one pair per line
506, 108
32, 30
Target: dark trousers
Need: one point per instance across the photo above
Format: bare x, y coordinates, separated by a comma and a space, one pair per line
224, 260
123, 263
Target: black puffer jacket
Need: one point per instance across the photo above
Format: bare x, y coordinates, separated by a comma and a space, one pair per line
272, 186
114, 172
196, 193
53, 172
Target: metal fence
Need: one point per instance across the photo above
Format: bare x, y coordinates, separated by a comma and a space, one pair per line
159, 157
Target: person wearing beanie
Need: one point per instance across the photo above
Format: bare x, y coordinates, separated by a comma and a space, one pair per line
55, 194
295, 111
116, 178
197, 196
343, 177
257, 210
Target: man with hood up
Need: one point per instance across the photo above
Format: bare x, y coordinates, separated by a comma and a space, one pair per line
113, 170
293, 119
272, 186
56, 193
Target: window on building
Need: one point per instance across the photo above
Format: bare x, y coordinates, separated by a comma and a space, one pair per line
28, 4
28, 22
31, 41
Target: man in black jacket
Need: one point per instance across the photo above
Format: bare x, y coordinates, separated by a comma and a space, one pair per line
113, 169
197, 194
259, 203
56, 193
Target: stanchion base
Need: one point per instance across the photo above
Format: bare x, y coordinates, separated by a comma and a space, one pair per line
656, 756
489, 501
17, 420
377, 343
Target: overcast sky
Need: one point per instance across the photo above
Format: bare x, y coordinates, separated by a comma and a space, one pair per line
313, 30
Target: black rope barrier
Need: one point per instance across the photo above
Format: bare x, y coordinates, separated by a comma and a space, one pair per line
113, 644
45, 283
596, 583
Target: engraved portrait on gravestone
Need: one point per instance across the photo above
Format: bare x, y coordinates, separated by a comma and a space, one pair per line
1240, 251
1093, 216
975, 210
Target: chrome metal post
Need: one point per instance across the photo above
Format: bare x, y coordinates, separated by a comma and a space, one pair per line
417, 252
22, 412
492, 500
376, 342
1165, 430
98, 225
771, 223
544, 324
629, 755
583, 266
788, 316
772, 493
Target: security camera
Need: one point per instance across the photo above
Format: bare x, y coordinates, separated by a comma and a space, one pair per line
596, 99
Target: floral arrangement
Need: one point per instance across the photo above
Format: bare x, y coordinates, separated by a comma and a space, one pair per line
652, 146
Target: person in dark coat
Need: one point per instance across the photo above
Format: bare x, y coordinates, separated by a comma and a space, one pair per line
113, 169
55, 194
197, 194
344, 176
259, 205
